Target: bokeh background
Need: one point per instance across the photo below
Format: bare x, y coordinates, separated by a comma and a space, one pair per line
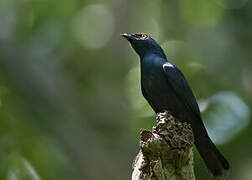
70, 101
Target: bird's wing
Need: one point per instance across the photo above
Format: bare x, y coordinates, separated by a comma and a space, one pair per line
181, 88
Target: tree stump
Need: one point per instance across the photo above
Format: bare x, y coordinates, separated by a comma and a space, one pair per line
165, 152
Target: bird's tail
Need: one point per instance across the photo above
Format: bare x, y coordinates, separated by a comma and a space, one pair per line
214, 160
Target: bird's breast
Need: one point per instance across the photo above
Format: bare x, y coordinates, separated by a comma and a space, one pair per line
154, 83
157, 90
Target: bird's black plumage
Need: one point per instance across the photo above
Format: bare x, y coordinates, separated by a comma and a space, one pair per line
165, 88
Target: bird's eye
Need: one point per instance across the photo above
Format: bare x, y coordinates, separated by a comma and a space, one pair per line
144, 36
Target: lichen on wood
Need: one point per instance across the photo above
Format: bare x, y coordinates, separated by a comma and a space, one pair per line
165, 152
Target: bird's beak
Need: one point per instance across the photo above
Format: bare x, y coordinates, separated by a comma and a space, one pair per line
127, 36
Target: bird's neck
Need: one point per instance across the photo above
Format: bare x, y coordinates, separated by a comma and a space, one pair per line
157, 52
152, 59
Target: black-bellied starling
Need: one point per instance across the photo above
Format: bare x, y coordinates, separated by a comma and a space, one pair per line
165, 88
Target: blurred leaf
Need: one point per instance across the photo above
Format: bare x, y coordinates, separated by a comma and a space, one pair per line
93, 26
21, 169
226, 115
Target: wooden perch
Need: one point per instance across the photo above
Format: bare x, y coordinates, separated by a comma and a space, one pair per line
165, 152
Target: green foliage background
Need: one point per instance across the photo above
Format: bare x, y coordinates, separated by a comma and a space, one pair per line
70, 102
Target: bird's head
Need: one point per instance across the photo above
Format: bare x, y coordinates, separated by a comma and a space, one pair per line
143, 44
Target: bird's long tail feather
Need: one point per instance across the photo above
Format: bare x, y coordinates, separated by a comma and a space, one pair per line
214, 160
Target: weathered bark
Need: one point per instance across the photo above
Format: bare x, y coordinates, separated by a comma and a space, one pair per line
165, 152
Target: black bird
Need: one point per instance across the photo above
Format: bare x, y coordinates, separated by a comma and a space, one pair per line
165, 88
